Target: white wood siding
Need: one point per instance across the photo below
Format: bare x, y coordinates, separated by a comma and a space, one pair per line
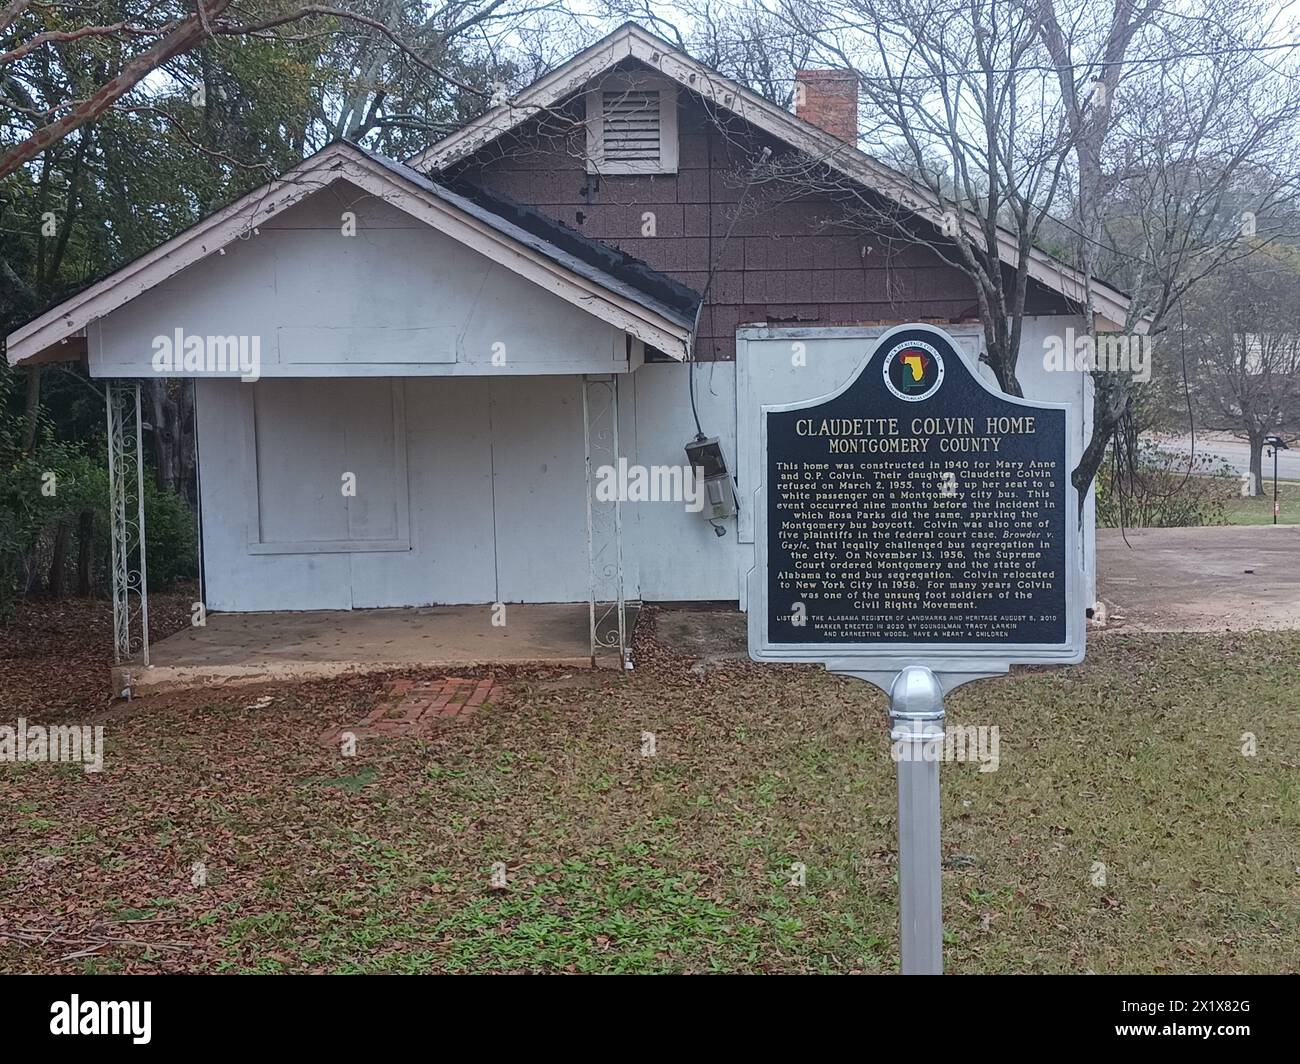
493, 479
396, 299
495, 471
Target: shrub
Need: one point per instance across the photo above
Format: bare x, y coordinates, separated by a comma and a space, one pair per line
1163, 489
30, 502
30, 518
171, 538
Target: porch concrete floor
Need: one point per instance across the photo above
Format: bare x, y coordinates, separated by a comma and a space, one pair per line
270, 646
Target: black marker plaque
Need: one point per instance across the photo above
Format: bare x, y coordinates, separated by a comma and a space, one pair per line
917, 507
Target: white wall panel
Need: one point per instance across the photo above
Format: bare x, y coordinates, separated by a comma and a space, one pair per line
493, 516
236, 579
539, 489
449, 471
303, 437
496, 481
678, 555
396, 299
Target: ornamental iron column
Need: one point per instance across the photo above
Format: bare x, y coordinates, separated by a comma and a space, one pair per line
126, 531
607, 608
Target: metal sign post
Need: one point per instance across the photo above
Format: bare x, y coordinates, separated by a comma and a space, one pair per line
917, 529
1277, 444
916, 710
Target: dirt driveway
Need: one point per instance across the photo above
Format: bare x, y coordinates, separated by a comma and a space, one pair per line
1230, 579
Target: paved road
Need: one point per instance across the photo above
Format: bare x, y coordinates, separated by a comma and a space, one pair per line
1237, 578
1234, 578
1236, 453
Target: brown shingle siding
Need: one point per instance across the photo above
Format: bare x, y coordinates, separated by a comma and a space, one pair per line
791, 260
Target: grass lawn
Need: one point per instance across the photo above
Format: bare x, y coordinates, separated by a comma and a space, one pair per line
1258, 510
618, 862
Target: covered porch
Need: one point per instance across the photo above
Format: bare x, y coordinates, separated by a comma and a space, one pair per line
257, 647
401, 397
421, 625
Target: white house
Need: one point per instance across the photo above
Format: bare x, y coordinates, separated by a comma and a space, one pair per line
446, 352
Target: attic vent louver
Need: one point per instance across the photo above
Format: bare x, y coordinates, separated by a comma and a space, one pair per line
632, 127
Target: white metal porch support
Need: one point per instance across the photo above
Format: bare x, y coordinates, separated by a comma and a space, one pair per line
126, 530
605, 597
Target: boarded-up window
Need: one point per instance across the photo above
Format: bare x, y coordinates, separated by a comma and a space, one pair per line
328, 462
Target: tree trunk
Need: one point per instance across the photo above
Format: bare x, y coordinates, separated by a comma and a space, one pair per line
59, 562
1086, 471
184, 37
187, 480
1110, 403
85, 552
31, 409
1257, 465
31, 581
163, 419
171, 405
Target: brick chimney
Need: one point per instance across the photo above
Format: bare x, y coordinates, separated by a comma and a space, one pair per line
828, 99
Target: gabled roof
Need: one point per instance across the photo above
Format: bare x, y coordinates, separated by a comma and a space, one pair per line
667, 291
631, 42
647, 305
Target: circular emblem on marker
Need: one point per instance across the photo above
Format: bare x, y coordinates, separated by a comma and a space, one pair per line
913, 371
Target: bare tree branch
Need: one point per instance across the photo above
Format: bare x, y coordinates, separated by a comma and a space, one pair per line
188, 34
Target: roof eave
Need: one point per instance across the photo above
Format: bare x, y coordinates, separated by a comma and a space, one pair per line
610, 300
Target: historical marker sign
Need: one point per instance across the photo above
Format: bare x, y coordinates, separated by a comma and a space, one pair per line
916, 516
916, 529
